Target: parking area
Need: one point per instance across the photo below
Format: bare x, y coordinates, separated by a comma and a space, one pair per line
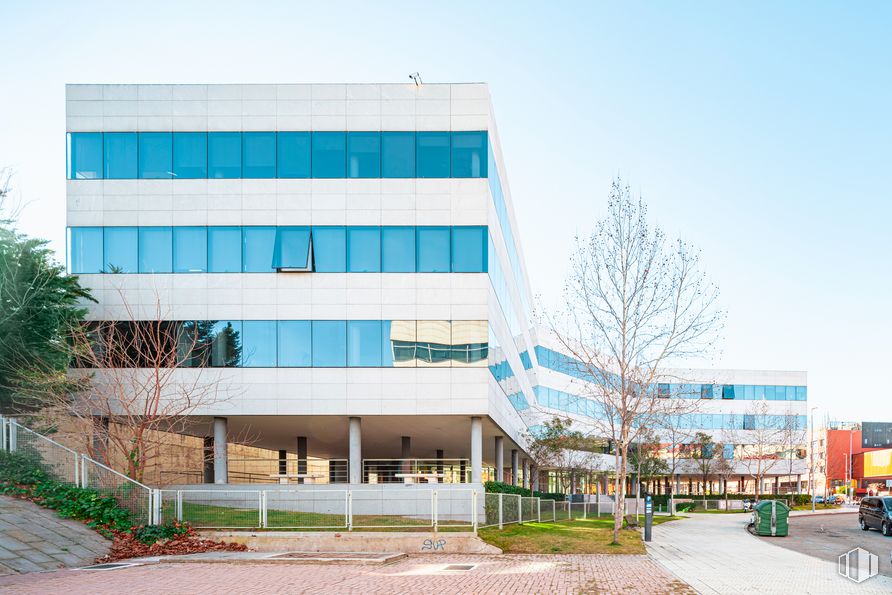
830, 535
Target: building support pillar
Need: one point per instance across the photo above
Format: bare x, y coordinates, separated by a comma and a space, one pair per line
405, 454
500, 458
221, 457
355, 449
301, 457
283, 462
514, 473
476, 450
526, 473
534, 479
207, 460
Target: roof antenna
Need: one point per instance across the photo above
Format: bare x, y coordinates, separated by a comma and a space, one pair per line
417, 78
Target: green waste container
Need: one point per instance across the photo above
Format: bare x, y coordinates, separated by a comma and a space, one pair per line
770, 518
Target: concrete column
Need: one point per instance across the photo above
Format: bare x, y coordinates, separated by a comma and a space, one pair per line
476, 450
221, 457
526, 473
405, 454
534, 479
355, 431
500, 458
283, 462
514, 473
301, 457
207, 460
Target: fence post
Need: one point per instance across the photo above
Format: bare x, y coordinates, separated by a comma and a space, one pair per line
179, 505
84, 479
349, 510
77, 474
155, 507
263, 509
519, 509
2, 433
474, 509
434, 496
554, 511
538, 510
584, 508
12, 435
500, 510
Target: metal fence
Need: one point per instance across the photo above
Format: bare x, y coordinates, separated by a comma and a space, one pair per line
308, 508
71, 468
411, 471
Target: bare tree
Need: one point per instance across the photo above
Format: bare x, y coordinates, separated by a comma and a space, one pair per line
703, 452
723, 469
794, 439
765, 442
138, 382
570, 453
633, 304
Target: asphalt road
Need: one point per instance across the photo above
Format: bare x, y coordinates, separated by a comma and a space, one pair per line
830, 535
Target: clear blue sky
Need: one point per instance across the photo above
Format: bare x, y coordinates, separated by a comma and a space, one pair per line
761, 132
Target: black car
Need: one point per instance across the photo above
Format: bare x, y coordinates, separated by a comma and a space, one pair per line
876, 513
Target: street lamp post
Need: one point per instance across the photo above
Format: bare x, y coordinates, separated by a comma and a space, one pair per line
811, 463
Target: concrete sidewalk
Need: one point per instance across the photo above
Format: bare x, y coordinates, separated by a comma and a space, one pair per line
714, 554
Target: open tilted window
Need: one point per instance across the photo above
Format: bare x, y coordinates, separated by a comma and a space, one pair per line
293, 251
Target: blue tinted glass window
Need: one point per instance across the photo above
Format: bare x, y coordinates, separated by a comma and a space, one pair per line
225, 249
120, 155
225, 339
398, 249
364, 249
258, 247
85, 250
801, 394
432, 154
432, 245
295, 344
155, 155
329, 154
190, 155
364, 343
121, 250
259, 344
293, 154
386, 344
469, 249
397, 154
224, 154
363, 154
292, 250
469, 154
155, 250
85, 155
190, 249
258, 154
329, 343
329, 250
749, 392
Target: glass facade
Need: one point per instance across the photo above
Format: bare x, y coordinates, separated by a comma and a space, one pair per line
266, 249
193, 155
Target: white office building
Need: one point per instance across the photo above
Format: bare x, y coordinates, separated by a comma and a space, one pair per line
347, 257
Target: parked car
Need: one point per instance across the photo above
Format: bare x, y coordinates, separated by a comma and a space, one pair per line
837, 499
875, 512
819, 499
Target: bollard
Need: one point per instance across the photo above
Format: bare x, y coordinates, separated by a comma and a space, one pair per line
648, 517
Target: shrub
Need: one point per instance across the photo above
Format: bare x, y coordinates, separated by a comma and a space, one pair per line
20, 468
500, 487
685, 507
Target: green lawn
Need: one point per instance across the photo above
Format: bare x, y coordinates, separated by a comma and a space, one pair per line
579, 536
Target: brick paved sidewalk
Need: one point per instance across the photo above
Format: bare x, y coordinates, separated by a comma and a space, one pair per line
560, 574
34, 539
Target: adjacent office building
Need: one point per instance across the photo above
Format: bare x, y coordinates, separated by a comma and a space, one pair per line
348, 258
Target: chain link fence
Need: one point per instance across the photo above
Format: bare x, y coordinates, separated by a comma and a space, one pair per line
71, 468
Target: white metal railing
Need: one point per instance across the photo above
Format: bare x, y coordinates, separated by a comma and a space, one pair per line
308, 508
411, 471
70, 467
